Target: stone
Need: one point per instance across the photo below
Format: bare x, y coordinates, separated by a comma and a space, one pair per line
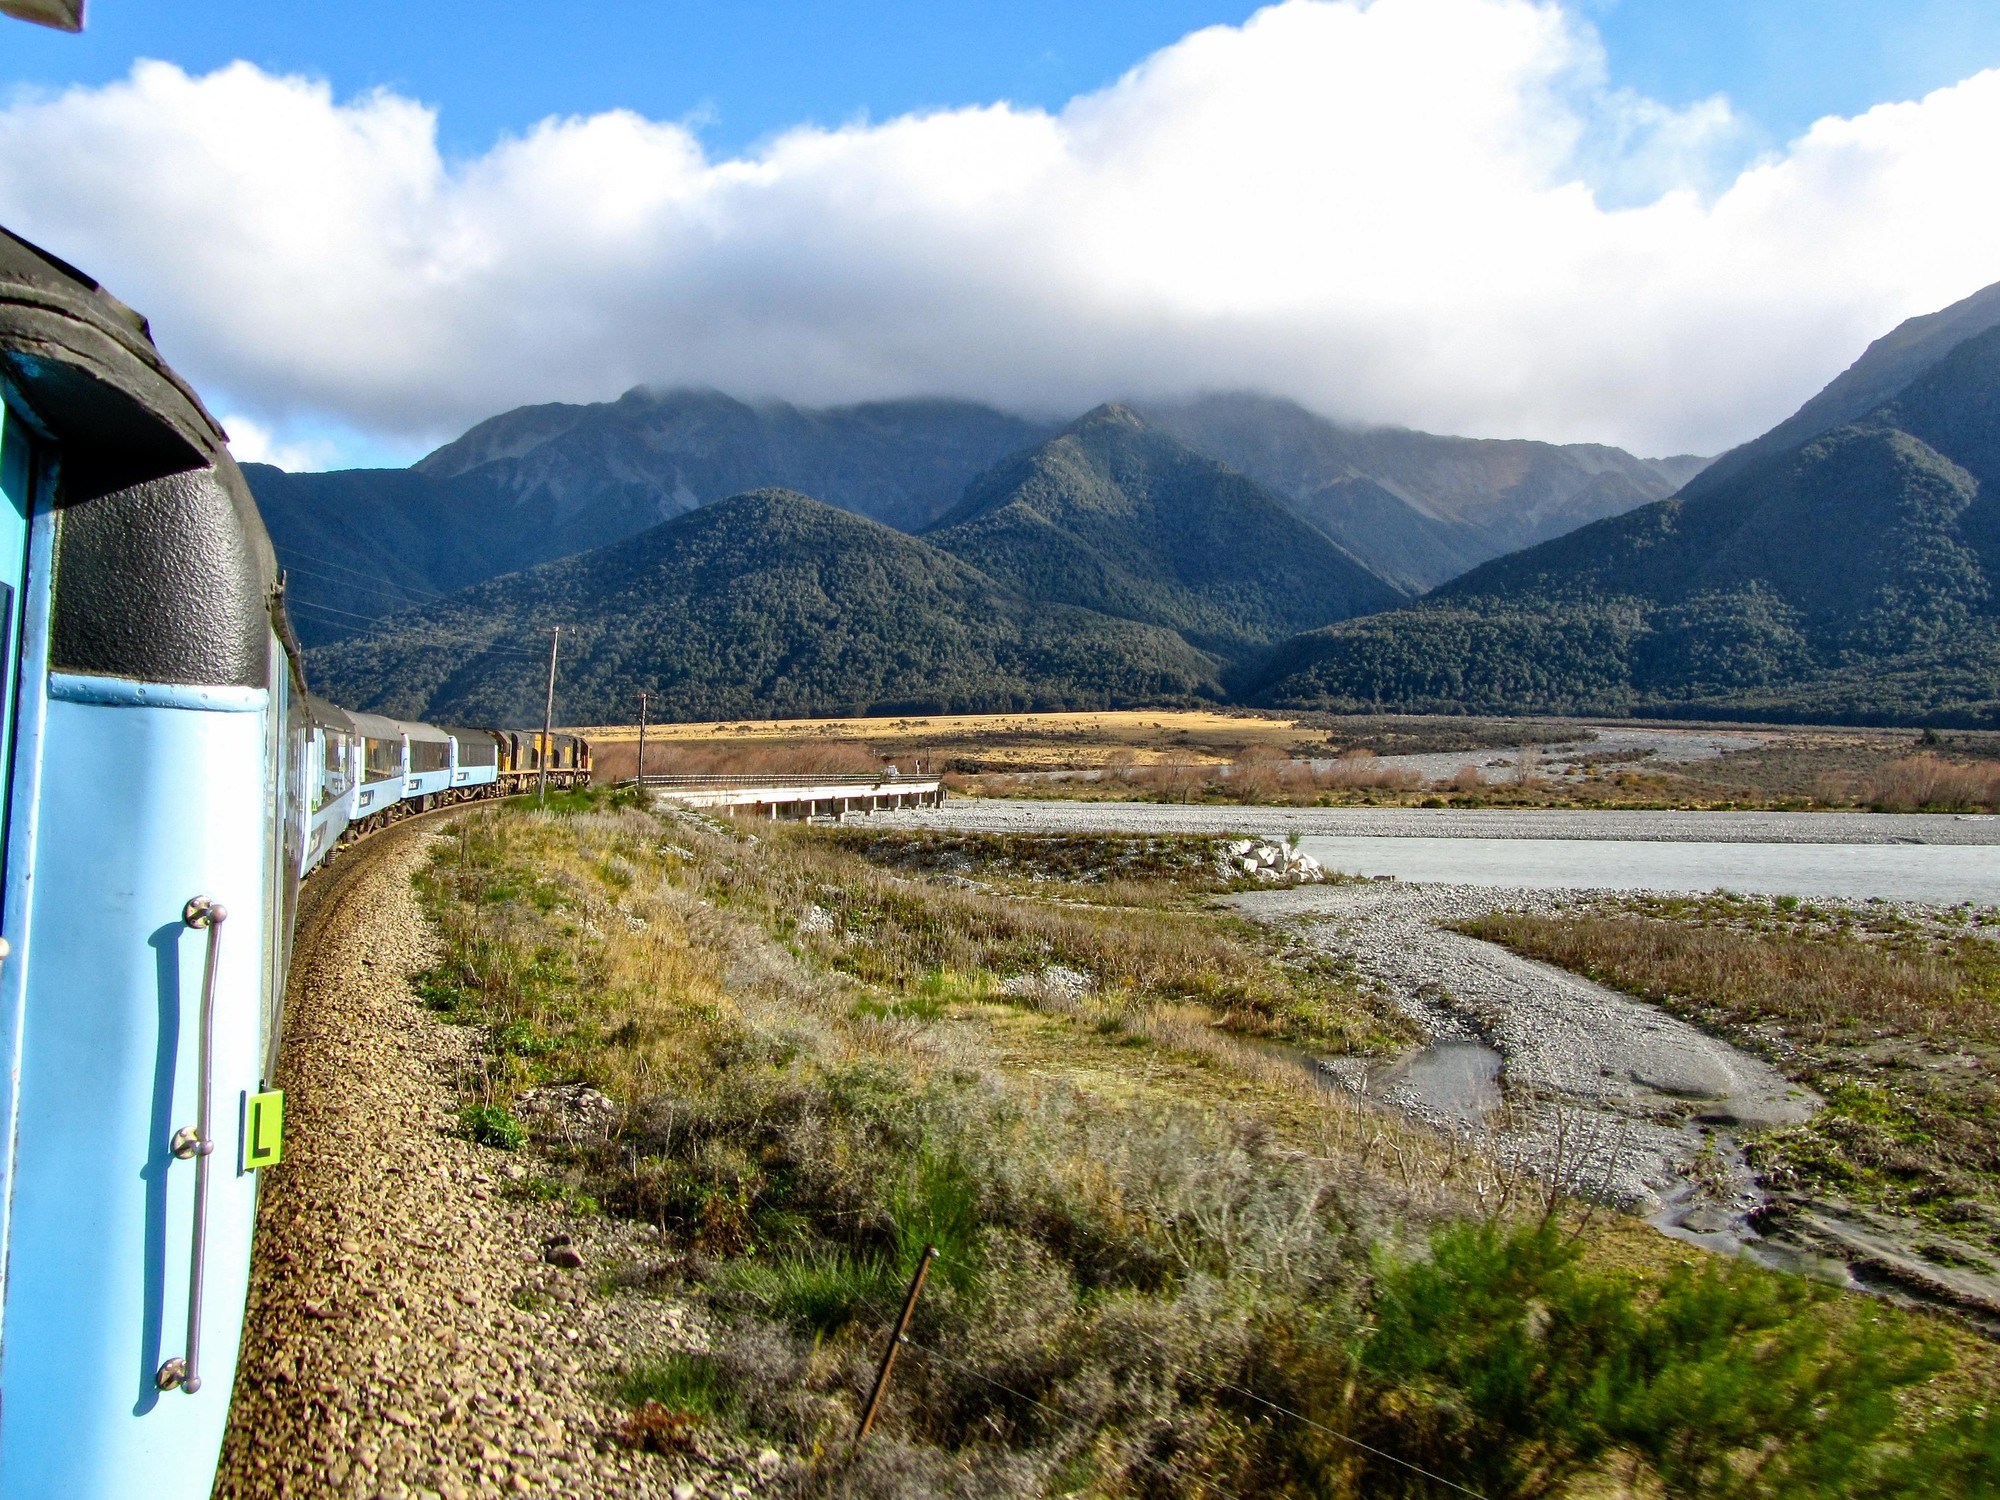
569, 1111
1686, 1074
565, 1257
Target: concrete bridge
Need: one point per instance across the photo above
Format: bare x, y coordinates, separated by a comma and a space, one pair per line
797, 796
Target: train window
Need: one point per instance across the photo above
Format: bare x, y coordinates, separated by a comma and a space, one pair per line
475, 750
429, 755
333, 770
382, 759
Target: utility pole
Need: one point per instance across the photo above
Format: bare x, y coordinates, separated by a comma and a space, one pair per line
548, 721
642, 739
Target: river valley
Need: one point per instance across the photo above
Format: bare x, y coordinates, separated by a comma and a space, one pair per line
1565, 1078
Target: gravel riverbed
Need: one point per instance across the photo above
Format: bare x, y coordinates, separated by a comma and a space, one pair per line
407, 1334
1027, 815
1626, 1101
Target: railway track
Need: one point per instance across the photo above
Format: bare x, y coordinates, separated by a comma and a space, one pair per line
405, 1336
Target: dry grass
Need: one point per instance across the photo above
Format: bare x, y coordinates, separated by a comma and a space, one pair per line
1242, 757
863, 920
1931, 783
618, 759
1826, 991
1143, 1281
994, 741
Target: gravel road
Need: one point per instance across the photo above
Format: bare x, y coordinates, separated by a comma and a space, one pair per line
1027, 815
406, 1335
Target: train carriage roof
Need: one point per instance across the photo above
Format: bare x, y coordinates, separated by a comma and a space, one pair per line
377, 727
328, 715
164, 571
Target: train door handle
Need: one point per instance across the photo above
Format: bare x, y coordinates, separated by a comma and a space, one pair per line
196, 1143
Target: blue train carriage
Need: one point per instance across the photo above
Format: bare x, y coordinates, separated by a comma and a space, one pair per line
386, 773
475, 764
152, 827
330, 766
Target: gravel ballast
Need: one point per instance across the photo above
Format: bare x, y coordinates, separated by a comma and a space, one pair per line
407, 1334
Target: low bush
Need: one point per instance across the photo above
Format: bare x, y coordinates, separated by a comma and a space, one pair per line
1930, 782
492, 1125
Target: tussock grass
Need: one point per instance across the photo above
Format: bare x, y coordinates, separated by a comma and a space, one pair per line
899, 933
1143, 1295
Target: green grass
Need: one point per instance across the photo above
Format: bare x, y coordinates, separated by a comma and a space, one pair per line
681, 1382
818, 1292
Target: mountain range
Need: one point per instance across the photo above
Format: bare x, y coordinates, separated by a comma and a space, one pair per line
1845, 565
544, 482
1108, 565
1419, 508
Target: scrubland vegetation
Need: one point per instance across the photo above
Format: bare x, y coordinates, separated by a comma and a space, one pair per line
1893, 1018
1924, 782
1169, 1264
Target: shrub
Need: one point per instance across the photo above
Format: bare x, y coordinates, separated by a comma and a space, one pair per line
1931, 781
492, 1125
1508, 1365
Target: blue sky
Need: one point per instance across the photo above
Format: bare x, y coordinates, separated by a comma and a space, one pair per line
747, 68
360, 227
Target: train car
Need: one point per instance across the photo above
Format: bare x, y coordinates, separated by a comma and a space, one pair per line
429, 754
526, 755
165, 783
152, 827
329, 767
384, 770
475, 764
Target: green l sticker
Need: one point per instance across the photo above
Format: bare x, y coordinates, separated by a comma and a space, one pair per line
264, 1130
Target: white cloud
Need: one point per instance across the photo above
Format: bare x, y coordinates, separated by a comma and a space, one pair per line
254, 443
1435, 212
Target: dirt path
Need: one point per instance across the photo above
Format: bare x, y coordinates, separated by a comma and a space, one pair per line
406, 1335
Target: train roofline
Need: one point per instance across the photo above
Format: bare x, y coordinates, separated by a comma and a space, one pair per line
167, 572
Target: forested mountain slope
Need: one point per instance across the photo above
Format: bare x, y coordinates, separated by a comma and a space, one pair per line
1115, 515
544, 482
1853, 575
1418, 507
764, 604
